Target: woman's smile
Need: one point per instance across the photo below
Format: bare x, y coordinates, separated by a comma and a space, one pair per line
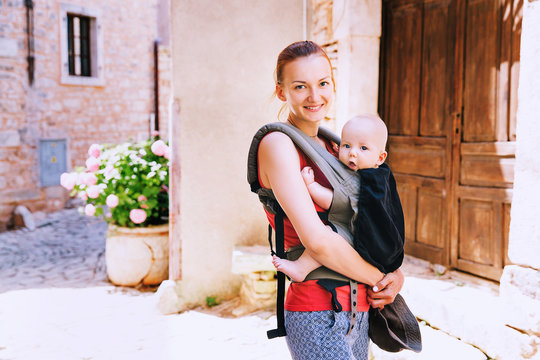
314, 108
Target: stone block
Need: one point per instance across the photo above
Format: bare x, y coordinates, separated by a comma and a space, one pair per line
10, 138
55, 192
432, 343
22, 217
248, 259
471, 314
8, 47
521, 285
19, 195
256, 293
167, 298
5, 167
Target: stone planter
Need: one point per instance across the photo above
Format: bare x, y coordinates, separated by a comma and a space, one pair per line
137, 255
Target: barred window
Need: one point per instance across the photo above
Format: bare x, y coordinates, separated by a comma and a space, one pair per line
81, 45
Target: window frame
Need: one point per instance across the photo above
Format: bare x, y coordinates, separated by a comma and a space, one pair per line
96, 77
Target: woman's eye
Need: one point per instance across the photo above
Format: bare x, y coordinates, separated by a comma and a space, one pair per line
299, 87
364, 147
324, 83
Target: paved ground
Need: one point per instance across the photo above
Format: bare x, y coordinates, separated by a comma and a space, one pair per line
56, 303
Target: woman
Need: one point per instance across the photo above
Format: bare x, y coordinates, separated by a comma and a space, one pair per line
305, 83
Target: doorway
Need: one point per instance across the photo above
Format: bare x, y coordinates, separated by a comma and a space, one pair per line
448, 94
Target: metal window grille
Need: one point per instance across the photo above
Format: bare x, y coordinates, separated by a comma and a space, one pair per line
79, 48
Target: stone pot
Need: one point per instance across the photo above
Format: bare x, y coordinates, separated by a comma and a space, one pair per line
137, 255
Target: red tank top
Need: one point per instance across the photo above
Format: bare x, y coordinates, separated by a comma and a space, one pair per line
308, 295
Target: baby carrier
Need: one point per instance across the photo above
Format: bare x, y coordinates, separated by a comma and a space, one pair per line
341, 215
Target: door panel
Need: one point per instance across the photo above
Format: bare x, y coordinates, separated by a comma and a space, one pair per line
486, 150
416, 73
480, 70
434, 102
404, 71
418, 155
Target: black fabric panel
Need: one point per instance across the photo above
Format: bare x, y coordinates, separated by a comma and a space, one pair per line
379, 227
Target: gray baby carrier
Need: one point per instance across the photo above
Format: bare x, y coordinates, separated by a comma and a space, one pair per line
342, 210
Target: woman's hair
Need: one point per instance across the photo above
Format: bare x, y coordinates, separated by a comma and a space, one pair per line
296, 50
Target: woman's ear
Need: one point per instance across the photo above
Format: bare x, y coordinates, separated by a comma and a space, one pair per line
279, 93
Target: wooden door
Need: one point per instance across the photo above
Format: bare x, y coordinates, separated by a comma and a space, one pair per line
448, 95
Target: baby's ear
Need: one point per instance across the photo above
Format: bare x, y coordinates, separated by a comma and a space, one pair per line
382, 157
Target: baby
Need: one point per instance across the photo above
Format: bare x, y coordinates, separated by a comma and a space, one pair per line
363, 142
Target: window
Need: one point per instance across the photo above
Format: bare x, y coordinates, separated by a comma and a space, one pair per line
81, 46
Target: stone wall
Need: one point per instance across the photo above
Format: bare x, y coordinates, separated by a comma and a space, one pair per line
119, 109
350, 32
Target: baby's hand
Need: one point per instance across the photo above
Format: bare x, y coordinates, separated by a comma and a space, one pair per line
308, 175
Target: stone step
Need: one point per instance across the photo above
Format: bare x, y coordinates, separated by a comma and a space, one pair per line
467, 308
436, 345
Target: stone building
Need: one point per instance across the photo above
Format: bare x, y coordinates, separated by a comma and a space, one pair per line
74, 73
457, 83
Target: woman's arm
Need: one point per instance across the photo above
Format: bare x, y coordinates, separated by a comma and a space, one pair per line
279, 166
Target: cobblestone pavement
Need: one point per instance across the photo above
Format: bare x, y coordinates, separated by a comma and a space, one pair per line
66, 250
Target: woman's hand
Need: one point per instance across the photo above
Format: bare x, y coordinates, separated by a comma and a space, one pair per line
384, 292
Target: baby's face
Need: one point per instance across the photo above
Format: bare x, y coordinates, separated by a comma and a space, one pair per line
360, 148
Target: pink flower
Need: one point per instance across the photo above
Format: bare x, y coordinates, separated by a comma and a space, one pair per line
68, 180
109, 170
90, 210
112, 201
159, 148
155, 133
93, 191
166, 155
83, 195
137, 216
88, 179
142, 198
94, 151
92, 164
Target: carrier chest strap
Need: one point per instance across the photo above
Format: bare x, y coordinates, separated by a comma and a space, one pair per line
354, 305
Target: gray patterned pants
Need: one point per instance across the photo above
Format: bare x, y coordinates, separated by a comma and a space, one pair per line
320, 335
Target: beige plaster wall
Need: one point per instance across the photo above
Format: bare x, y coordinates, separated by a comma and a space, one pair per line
355, 27
524, 242
224, 56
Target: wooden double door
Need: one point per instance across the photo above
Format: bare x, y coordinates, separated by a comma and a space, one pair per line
448, 93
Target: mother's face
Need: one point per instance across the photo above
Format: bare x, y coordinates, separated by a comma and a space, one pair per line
307, 88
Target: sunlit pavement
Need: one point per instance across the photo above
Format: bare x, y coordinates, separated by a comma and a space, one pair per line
56, 303
104, 323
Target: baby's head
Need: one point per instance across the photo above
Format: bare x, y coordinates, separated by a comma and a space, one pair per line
363, 142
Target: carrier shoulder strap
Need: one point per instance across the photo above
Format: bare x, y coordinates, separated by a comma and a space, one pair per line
336, 174
329, 164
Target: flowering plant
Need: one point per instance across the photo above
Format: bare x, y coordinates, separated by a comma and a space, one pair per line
126, 184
